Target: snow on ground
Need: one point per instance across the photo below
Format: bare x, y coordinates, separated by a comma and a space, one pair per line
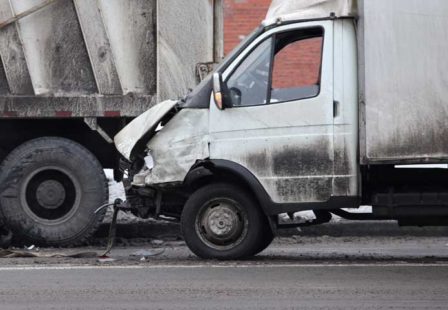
116, 190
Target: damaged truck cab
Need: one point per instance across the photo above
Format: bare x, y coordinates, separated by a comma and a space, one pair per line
274, 131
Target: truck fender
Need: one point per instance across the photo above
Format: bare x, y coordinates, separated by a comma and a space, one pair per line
216, 168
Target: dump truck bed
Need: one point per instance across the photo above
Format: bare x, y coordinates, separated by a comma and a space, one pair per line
106, 58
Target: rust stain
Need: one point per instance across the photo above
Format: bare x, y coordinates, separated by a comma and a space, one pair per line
63, 113
9, 114
112, 113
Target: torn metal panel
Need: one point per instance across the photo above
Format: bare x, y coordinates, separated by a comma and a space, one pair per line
52, 39
128, 137
185, 39
12, 55
287, 10
176, 147
98, 46
131, 26
405, 80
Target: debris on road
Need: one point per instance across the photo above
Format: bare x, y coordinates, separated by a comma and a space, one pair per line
157, 242
106, 259
27, 253
148, 253
31, 247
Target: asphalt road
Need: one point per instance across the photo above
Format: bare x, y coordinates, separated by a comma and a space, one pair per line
386, 286
310, 273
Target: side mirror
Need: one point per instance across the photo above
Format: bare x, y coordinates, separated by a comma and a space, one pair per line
218, 91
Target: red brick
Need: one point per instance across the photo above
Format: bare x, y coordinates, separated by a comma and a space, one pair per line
241, 17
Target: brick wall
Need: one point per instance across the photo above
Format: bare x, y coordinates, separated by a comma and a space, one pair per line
295, 69
240, 18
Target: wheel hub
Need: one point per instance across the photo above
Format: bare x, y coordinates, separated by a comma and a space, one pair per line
221, 223
50, 194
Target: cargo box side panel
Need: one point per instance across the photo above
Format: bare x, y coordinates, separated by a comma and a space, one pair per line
405, 80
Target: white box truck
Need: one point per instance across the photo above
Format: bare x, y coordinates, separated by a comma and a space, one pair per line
73, 73
255, 140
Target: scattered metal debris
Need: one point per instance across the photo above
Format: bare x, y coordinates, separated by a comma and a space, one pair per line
157, 242
27, 253
148, 253
30, 248
106, 259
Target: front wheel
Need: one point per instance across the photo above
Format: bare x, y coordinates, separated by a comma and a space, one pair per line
223, 221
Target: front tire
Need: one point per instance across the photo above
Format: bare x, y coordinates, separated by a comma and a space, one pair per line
222, 221
49, 190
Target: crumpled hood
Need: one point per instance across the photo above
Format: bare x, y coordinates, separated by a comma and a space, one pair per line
129, 136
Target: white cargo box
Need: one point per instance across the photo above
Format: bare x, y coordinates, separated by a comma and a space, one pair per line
403, 61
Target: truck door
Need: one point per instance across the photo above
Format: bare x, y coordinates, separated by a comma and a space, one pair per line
280, 125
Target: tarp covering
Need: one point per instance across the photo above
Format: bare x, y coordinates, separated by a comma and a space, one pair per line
309, 9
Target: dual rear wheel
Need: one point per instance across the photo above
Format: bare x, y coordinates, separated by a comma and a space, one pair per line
49, 190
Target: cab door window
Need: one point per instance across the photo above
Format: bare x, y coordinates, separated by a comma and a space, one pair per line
297, 66
284, 67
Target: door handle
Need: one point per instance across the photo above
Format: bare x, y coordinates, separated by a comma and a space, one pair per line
335, 108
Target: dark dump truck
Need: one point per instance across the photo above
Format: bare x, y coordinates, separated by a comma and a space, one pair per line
72, 74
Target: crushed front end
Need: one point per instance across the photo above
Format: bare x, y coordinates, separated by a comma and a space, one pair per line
159, 148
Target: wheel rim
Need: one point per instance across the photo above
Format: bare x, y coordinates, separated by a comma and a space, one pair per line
222, 224
50, 195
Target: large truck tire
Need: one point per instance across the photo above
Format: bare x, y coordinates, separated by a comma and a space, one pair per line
49, 190
222, 221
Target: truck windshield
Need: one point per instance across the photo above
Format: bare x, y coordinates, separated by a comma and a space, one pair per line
241, 46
